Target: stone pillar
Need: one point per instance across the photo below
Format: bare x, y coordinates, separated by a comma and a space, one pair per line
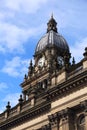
49, 60
67, 119
67, 57
54, 121
62, 76
31, 97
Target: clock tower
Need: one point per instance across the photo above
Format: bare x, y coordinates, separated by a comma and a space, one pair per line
54, 91
51, 56
52, 50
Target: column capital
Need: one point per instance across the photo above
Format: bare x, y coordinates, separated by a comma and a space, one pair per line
66, 113
54, 118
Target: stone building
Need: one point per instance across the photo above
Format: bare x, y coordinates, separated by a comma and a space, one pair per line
54, 92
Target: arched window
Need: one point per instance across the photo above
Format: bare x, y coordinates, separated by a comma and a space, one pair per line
81, 123
44, 84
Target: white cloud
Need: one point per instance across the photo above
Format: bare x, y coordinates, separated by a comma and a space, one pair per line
2, 49
1, 16
13, 35
13, 38
78, 49
27, 6
10, 36
2, 109
3, 86
13, 98
16, 67
69, 14
15, 20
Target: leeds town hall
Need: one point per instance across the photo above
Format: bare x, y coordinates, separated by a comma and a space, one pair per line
54, 90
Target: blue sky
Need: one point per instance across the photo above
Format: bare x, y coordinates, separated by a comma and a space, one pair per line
22, 24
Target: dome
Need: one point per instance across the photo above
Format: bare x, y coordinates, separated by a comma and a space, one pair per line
52, 38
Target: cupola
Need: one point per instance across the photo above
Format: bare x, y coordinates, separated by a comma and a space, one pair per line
52, 39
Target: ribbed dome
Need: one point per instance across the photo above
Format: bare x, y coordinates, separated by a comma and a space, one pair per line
52, 39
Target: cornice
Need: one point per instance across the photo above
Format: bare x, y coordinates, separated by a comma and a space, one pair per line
67, 87
35, 77
71, 85
24, 116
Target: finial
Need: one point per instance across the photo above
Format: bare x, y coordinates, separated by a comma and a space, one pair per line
20, 99
30, 68
25, 77
52, 15
8, 106
73, 61
31, 63
85, 53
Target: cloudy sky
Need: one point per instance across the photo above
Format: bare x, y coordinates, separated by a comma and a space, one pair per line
22, 23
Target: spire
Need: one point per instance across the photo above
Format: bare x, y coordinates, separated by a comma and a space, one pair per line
51, 25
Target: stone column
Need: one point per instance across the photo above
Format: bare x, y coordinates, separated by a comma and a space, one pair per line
67, 119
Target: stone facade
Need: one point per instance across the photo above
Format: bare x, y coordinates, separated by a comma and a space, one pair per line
54, 90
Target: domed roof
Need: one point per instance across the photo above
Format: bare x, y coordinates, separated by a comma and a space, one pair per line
52, 38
